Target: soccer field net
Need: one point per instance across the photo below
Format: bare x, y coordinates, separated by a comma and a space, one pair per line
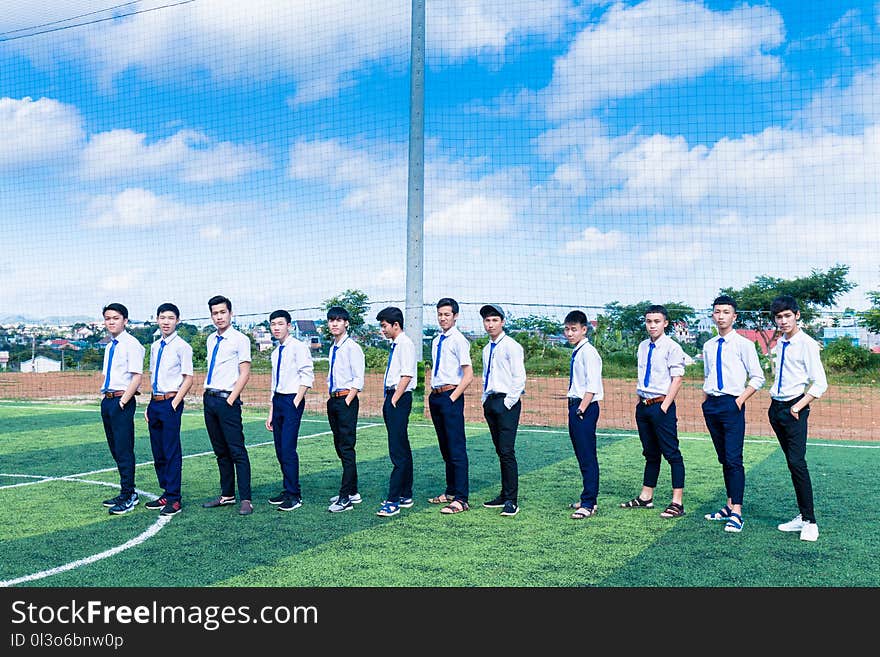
589, 155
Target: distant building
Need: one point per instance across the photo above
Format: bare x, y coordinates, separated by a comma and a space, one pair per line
41, 364
766, 339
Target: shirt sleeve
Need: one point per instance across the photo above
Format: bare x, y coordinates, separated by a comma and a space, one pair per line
407, 358
244, 349
136, 352
358, 366
675, 359
517, 374
593, 370
305, 365
753, 367
463, 347
815, 370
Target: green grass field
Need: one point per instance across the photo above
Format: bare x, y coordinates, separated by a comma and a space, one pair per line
55, 469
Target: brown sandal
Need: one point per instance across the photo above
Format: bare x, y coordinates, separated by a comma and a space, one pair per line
443, 498
455, 506
674, 510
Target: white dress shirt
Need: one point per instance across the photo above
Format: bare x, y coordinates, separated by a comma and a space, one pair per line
667, 361
403, 363
456, 352
347, 366
297, 368
235, 348
128, 359
505, 365
740, 366
176, 361
586, 372
802, 372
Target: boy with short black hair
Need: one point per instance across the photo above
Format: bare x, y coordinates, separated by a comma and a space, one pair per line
661, 371
397, 387
504, 382
229, 370
799, 381
732, 374
292, 375
171, 364
344, 381
123, 369
451, 375
585, 391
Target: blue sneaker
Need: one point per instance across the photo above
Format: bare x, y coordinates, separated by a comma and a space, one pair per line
405, 502
388, 509
125, 505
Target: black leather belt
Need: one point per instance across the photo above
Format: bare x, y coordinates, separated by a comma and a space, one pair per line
218, 393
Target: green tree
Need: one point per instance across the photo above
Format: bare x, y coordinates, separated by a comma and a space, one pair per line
814, 292
871, 318
356, 303
536, 323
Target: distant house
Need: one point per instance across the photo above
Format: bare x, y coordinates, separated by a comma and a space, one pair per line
61, 343
40, 364
307, 331
766, 339
854, 333
82, 333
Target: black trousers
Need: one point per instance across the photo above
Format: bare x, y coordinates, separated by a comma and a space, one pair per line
503, 423
286, 420
165, 442
397, 425
727, 426
343, 423
658, 432
448, 419
223, 423
119, 430
792, 436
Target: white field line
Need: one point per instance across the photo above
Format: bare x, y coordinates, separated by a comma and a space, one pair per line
151, 531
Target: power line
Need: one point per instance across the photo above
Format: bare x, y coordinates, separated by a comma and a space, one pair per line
66, 20
92, 22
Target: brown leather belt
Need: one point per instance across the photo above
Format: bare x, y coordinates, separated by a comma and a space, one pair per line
167, 395
340, 393
653, 400
114, 393
439, 389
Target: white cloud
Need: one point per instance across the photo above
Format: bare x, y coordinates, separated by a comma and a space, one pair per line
123, 279
634, 48
38, 131
140, 208
474, 215
593, 240
844, 108
189, 154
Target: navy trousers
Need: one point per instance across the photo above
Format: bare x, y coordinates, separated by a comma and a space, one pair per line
658, 432
583, 439
397, 425
286, 420
727, 426
164, 428
119, 430
448, 419
792, 436
223, 423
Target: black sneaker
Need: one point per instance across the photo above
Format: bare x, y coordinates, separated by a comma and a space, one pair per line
290, 504
113, 501
510, 509
125, 505
278, 499
171, 509
156, 505
497, 503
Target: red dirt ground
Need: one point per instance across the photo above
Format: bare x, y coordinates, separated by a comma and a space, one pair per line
843, 413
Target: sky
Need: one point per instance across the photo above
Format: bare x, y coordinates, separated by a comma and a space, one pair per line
576, 153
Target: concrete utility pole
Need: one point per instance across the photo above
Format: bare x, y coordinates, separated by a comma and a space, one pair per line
415, 199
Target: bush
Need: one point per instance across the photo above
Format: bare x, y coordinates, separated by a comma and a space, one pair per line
841, 355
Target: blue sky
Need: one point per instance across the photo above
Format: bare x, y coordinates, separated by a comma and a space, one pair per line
577, 153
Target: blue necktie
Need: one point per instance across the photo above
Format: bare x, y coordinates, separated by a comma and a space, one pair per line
332, 362
648, 369
781, 364
489, 365
571, 367
437, 360
109, 365
718, 364
388, 366
156, 372
213, 357
278, 366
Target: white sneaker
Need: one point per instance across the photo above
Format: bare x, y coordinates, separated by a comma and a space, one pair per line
796, 524
355, 498
810, 532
